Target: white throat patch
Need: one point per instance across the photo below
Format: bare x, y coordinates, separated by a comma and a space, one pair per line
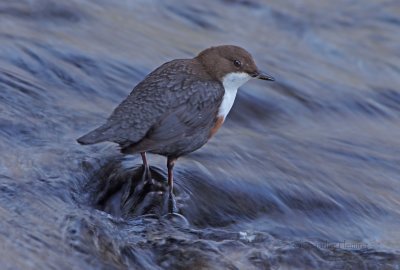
231, 82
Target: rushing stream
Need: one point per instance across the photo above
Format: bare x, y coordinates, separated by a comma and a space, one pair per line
305, 173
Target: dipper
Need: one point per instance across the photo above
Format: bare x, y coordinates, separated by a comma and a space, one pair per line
179, 106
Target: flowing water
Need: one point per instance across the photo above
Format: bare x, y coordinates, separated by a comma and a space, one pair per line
304, 174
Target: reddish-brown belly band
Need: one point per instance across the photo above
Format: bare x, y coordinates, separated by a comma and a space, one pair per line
218, 123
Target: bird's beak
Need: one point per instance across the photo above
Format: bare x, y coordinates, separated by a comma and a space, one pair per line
263, 76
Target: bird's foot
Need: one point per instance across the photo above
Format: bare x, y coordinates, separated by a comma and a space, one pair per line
172, 203
141, 191
146, 176
172, 211
169, 205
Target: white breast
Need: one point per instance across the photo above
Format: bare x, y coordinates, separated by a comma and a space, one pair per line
231, 83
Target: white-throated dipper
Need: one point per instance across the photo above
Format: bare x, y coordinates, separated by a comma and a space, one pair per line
179, 106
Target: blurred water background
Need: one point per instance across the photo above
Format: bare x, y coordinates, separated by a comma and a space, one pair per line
304, 174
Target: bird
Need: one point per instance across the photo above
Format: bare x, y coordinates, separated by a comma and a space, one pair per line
179, 106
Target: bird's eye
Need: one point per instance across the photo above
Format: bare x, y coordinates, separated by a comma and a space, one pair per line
237, 63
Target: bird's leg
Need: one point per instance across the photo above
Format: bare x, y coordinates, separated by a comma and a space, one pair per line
171, 200
146, 166
141, 187
170, 166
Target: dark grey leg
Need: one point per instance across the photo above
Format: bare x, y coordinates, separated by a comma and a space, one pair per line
146, 171
144, 158
171, 200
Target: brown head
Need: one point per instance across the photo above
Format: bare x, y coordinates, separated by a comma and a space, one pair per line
223, 60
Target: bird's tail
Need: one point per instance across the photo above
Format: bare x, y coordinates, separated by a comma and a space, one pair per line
96, 136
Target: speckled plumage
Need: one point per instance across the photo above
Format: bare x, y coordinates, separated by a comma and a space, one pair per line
168, 113
179, 106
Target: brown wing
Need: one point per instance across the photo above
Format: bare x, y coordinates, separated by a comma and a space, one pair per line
195, 115
169, 86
